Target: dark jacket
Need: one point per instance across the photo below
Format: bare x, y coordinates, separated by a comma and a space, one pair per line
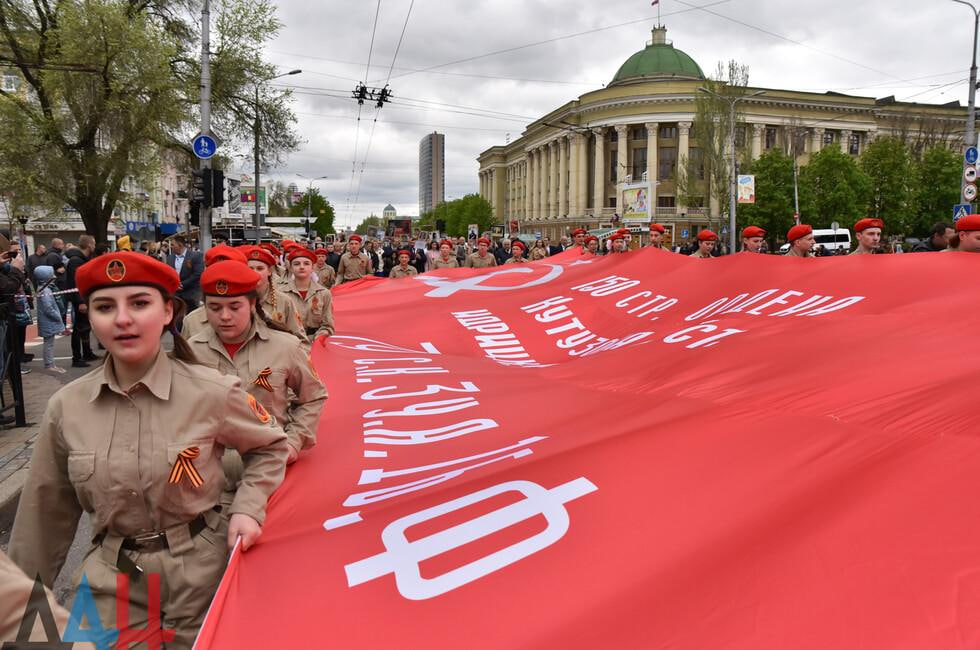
190, 273
333, 259
925, 246
53, 258
501, 255
75, 259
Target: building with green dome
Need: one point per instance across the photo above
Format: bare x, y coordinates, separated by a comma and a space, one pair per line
575, 166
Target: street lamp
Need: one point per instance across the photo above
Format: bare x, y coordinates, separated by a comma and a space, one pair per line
971, 136
733, 200
255, 127
309, 208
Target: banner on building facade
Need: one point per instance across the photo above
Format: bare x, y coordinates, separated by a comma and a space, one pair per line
636, 203
746, 188
632, 451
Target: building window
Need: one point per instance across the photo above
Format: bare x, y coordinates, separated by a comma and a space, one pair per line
613, 135
613, 168
740, 136
638, 133
666, 202
697, 163
828, 138
854, 146
9, 83
770, 137
696, 202
666, 163
639, 163
668, 132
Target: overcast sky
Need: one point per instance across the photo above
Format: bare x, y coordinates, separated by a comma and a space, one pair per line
916, 50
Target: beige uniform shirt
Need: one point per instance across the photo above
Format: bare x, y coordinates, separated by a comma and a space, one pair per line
275, 305
277, 372
475, 261
793, 253
516, 260
315, 311
399, 272
110, 453
859, 251
326, 276
700, 255
353, 268
439, 263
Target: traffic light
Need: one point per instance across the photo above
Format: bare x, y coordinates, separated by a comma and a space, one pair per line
194, 213
202, 187
217, 188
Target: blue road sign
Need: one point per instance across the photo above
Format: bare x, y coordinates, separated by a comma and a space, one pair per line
971, 156
205, 146
685, 233
961, 210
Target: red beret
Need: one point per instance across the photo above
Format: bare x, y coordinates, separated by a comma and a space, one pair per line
356, 238
658, 228
223, 252
864, 224
483, 240
321, 251
271, 248
519, 244
591, 238
228, 278
579, 231
287, 242
753, 231
616, 236
404, 251
623, 231
260, 254
299, 252
125, 269
796, 232
968, 223
707, 235
445, 242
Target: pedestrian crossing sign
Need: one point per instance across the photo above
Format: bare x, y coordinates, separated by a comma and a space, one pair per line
961, 210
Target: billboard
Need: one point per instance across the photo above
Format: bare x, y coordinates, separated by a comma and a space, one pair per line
247, 194
746, 188
636, 203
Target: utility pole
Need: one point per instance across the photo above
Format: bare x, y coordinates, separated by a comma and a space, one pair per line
971, 135
733, 189
256, 128
205, 111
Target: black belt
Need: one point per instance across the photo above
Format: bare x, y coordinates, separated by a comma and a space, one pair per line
310, 331
157, 541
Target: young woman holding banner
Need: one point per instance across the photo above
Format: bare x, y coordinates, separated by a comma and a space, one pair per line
138, 445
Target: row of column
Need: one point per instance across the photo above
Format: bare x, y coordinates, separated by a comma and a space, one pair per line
552, 179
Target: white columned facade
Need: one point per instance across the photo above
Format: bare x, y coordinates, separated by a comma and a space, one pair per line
757, 131
845, 141
563, 176
542, 182
573, 179
552, 178
817, 141
527, 185
532, 184
598, 200
581, 142
652, 129
622, 155
683, 151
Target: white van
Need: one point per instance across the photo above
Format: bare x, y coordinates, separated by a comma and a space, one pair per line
831, 240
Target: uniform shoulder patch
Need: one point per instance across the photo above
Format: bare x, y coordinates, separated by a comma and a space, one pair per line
258, 410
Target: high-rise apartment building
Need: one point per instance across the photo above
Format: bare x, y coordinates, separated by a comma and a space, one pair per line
432, 171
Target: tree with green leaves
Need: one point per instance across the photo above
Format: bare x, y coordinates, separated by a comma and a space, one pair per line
773, 208
888, 165
706, 173
937, 190
106, 85
320, 210
368, 222
833, 188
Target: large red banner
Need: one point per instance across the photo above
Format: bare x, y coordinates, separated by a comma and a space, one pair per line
634, 451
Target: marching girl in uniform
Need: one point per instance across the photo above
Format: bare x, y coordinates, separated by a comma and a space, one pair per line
311, 299
274, 369
197, 320
274, 303
138, 444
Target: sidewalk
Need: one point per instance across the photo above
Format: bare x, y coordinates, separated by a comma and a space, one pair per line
16, 444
